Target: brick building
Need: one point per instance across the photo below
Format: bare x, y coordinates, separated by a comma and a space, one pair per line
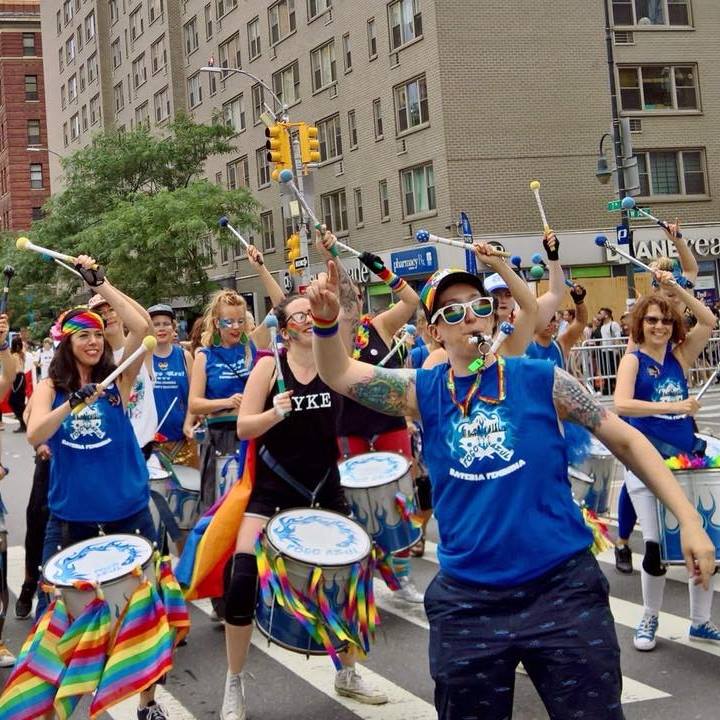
425, 108
24, 180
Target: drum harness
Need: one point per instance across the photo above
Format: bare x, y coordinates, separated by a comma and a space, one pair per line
284, 475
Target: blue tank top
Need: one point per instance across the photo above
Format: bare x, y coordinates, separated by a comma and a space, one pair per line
171, 381
661, 383
552, 353
499, 476
97, 472
227, 369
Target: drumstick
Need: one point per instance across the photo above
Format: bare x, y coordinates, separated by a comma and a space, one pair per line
707, 385
271, 323
67, 267
148, 345
225, 223
537, 259
23, 243
165, 416
8, 272
423, 236
535, 187
408, 332
628, 203
505, 331
602, 241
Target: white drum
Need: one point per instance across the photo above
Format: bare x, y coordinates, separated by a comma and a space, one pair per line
227, 473
184, 495
599, 466
580, 482
713, 445
108, 560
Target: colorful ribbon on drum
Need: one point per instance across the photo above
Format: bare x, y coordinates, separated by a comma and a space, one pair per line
686, 462
408, 510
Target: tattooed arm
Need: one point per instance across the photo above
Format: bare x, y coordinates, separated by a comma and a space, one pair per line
573, 403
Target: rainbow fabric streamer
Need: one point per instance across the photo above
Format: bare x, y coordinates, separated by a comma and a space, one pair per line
601, 536
178, 616
686, 462
362, 336
407, 509
141, 653
211, 542
84, 647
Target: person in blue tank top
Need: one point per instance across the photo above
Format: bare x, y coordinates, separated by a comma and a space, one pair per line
98, 477
652, 393
517, 582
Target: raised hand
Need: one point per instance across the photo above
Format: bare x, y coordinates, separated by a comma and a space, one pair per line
323, 294
90, 271
551, 244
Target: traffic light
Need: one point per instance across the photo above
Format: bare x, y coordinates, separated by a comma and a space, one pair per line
292, 247
309, 144
279, 150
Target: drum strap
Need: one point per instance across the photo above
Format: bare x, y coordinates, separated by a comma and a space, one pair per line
284, 475
166, 516
667, 449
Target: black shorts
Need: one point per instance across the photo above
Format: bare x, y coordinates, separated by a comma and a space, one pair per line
423, 490
266, 501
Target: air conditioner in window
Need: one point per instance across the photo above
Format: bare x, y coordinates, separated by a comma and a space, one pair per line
339, 168
401, 147
394, 60
635, 125
624, 38
333, 91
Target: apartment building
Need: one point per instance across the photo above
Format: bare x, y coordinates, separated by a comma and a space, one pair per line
425, 108
24, 182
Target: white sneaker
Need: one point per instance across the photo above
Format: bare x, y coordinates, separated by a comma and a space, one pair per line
7, 659
408, 592
348, 683
644, 639
233, 707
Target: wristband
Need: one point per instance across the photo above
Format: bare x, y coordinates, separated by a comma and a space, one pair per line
323, 327
395, 283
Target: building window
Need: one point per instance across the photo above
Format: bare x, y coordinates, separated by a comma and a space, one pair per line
418, 186
258, 100
67, 11
268, 232
139, 71
281, 19
81, 77
384, 200
79, 36
75, 127
651, 12
223, 7
318, 7
95, 113
234, 113
411, 104
372, 38
137, 24
61, 59
36, 176
33, 132
238, 173
63, 97
208, 22
142, 115
158, 55
90, 26
212, 83
29, 44
37, 213
334, 211
31, 87
263, 169
404, 21
72, 88
155, 10
92, 68
161, 104
359, 217
58, 21
286, 84
119, 97
658, 87
330, 138
230, 53
347, 54
322, 65
70, 50
116, 51
672, 172
253, 31
194, 90
84, 117
114, 15
377, 119
352, 129
190, 35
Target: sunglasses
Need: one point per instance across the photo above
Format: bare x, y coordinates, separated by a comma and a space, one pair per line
652, 320
299, 317
455, 312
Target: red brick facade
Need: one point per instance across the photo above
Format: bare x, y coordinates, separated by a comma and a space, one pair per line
22, 116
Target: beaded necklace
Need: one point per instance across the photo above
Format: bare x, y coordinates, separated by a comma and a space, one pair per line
362, 336
464, 407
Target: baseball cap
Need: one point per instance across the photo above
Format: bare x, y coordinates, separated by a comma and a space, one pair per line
494, 282
96, 301
441, 279
161, 309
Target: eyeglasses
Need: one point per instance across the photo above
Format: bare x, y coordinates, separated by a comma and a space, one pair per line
159, 324
652, 320
299, 317
455, 312
226, 323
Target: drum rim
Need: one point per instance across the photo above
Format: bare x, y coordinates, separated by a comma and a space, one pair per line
292, 648
314, 564
103, 583
374, 484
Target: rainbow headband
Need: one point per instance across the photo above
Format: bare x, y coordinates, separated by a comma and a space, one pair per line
85, 320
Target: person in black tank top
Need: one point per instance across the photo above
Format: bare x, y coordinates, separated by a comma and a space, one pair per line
296, 465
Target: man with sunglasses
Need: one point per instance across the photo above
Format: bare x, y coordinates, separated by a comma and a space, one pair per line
517, 582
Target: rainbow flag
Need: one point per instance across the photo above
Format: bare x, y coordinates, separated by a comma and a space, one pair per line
212, 541
177, 612
84, 648
141, 653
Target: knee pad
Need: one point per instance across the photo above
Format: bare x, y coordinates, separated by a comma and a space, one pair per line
241, 591
651, 561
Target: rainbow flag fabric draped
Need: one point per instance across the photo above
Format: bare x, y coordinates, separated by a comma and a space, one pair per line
212, 541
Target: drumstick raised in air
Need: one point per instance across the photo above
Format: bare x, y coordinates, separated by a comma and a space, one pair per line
9, 273
423, 236
535, 187
148, 345
409, 332
271, 323
707, 384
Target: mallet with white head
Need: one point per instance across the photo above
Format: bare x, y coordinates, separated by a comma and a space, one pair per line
535, 187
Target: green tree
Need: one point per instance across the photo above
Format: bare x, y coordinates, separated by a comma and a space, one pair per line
139, 204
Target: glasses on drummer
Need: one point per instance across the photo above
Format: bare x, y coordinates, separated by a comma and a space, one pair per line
653, 320
226, 323
454, 313
299, 317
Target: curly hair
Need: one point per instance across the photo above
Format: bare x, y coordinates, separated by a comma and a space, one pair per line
212, 313
637, 318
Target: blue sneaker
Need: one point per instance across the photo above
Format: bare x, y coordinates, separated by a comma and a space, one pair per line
644, 639
707, 632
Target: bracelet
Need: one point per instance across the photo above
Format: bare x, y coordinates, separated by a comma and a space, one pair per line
323, 327
395, 283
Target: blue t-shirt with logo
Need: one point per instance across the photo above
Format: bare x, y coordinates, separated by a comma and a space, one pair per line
499, 476
552, 353
227, 369
171, 384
